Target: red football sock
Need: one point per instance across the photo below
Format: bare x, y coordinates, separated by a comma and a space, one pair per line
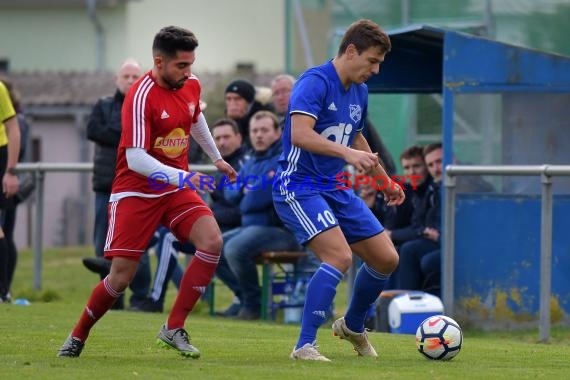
194, 282
101, 300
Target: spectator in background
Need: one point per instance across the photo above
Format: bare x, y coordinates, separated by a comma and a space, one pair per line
397, 220
230, 143
25, 186
104, 129
9, 152
281, 87
433, 158
241, 104
411, 223
261, 230
419, 257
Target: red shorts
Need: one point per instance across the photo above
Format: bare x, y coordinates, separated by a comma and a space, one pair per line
133, 221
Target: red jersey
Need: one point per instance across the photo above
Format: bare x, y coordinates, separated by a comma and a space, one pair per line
158, 120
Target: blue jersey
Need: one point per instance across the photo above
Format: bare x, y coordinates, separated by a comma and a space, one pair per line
339, 115
307, 195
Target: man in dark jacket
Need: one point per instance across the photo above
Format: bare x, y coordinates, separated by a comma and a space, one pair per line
229, 141
419, 258
407, 221
104, 129
241, 105
261, 230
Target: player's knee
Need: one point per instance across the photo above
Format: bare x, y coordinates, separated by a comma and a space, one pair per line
119, 281
392, 262
213, 244
387, 263
343, 262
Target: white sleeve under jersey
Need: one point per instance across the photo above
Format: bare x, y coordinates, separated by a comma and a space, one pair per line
143, 163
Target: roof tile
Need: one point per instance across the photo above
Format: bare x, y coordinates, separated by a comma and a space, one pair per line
83, 88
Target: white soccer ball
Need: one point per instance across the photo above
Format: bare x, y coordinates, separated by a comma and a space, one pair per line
439, 338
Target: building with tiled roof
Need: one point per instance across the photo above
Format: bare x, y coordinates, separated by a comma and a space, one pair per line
62, 89
45, 89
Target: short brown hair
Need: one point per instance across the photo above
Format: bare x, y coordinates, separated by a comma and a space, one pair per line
261, 114
431, 147
364, 34
413, 151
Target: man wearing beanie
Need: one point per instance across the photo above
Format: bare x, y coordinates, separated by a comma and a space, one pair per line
241, 105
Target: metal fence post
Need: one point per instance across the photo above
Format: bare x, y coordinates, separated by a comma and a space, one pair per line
448, 262
545, 257
38, 230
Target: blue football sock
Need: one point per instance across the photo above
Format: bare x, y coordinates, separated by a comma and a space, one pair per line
368, 285
318, 299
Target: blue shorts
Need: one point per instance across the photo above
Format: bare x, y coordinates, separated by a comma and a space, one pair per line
308, 213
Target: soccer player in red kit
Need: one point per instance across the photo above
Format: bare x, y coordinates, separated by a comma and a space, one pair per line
151, 187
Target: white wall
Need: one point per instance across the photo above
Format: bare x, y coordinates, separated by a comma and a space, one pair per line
61, 142
47, 39
63, 38
228, 31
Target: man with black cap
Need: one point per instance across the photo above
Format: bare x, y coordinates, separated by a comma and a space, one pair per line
241, 105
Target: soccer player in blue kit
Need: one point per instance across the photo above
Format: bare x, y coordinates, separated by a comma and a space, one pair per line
323, 132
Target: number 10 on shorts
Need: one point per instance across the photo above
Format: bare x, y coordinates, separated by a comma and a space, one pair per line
327, 219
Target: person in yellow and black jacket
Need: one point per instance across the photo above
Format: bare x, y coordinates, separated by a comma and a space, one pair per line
9, 150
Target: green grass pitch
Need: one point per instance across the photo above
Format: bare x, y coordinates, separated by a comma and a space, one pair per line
122, 345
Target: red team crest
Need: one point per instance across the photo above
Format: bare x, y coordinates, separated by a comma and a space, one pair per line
191, 108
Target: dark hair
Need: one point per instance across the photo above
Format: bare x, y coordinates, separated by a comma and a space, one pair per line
225, 121
413, 151
264, 113
171, 39
364, 34
431, 147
